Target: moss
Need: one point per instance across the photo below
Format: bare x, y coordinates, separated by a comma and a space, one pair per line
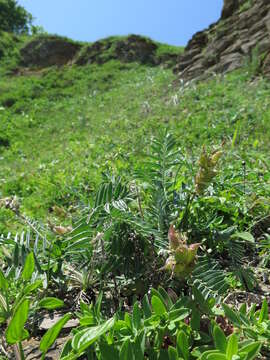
246, 5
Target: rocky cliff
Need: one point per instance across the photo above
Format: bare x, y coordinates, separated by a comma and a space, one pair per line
242, 31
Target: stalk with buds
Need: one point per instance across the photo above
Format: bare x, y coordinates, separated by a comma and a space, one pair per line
207, 170
182, 259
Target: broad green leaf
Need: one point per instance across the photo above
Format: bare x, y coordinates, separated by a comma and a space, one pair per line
126, 352
232, 347
139, 346
199, 350
158, 306
231, 315
165, 296
158, 294
51, 335
244, 236
108, 352
264, 312
29, 267
240, 356
128, 320
178, 314
70, 356
31, 287
146, 307
67, 349
15, 331
252, 350
51, 303
182, 345
3, 281
243, 309
218, 356
195, 319
220, 339
84, 338
207, 353
172, 353
136, 316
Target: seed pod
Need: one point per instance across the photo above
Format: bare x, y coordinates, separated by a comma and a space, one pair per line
216, 156
173, 238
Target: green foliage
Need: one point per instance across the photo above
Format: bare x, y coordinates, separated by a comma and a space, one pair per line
146, 333
51, 335
13, 17
105, 116
254, 324
107, 180
15, 331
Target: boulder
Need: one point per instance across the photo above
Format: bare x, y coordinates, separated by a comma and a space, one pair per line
136, 48
45, 51
97, 53
129, 49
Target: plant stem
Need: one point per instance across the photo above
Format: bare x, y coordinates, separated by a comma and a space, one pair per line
139, 203
186, 213
21, 351
16, 352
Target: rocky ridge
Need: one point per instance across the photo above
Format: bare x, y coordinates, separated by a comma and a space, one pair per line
50, 50
243, 31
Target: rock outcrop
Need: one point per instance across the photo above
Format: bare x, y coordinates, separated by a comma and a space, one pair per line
128, 49
45, 51
225, 46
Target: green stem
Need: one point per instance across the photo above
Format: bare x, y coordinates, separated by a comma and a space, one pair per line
21, 351
7, 302
187, 209
49, 265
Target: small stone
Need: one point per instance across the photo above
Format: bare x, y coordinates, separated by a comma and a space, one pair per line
48, 321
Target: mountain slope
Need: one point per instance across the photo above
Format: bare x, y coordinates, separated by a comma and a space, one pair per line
67, 121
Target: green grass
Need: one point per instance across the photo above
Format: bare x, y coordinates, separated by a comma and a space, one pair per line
164, 49
66, 126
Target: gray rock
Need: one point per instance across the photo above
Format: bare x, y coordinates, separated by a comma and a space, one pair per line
48, 321
225, 45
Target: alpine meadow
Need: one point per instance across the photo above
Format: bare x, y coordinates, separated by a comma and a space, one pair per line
135, 192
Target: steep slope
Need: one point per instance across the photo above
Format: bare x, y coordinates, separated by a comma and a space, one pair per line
242, 32
73, 112
62, 128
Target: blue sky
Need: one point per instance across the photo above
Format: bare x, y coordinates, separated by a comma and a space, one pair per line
169, 21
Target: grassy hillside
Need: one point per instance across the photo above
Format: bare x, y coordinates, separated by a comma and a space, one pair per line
62, 127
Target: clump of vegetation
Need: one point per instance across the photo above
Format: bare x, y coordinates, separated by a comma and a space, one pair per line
14, 18
115, 252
